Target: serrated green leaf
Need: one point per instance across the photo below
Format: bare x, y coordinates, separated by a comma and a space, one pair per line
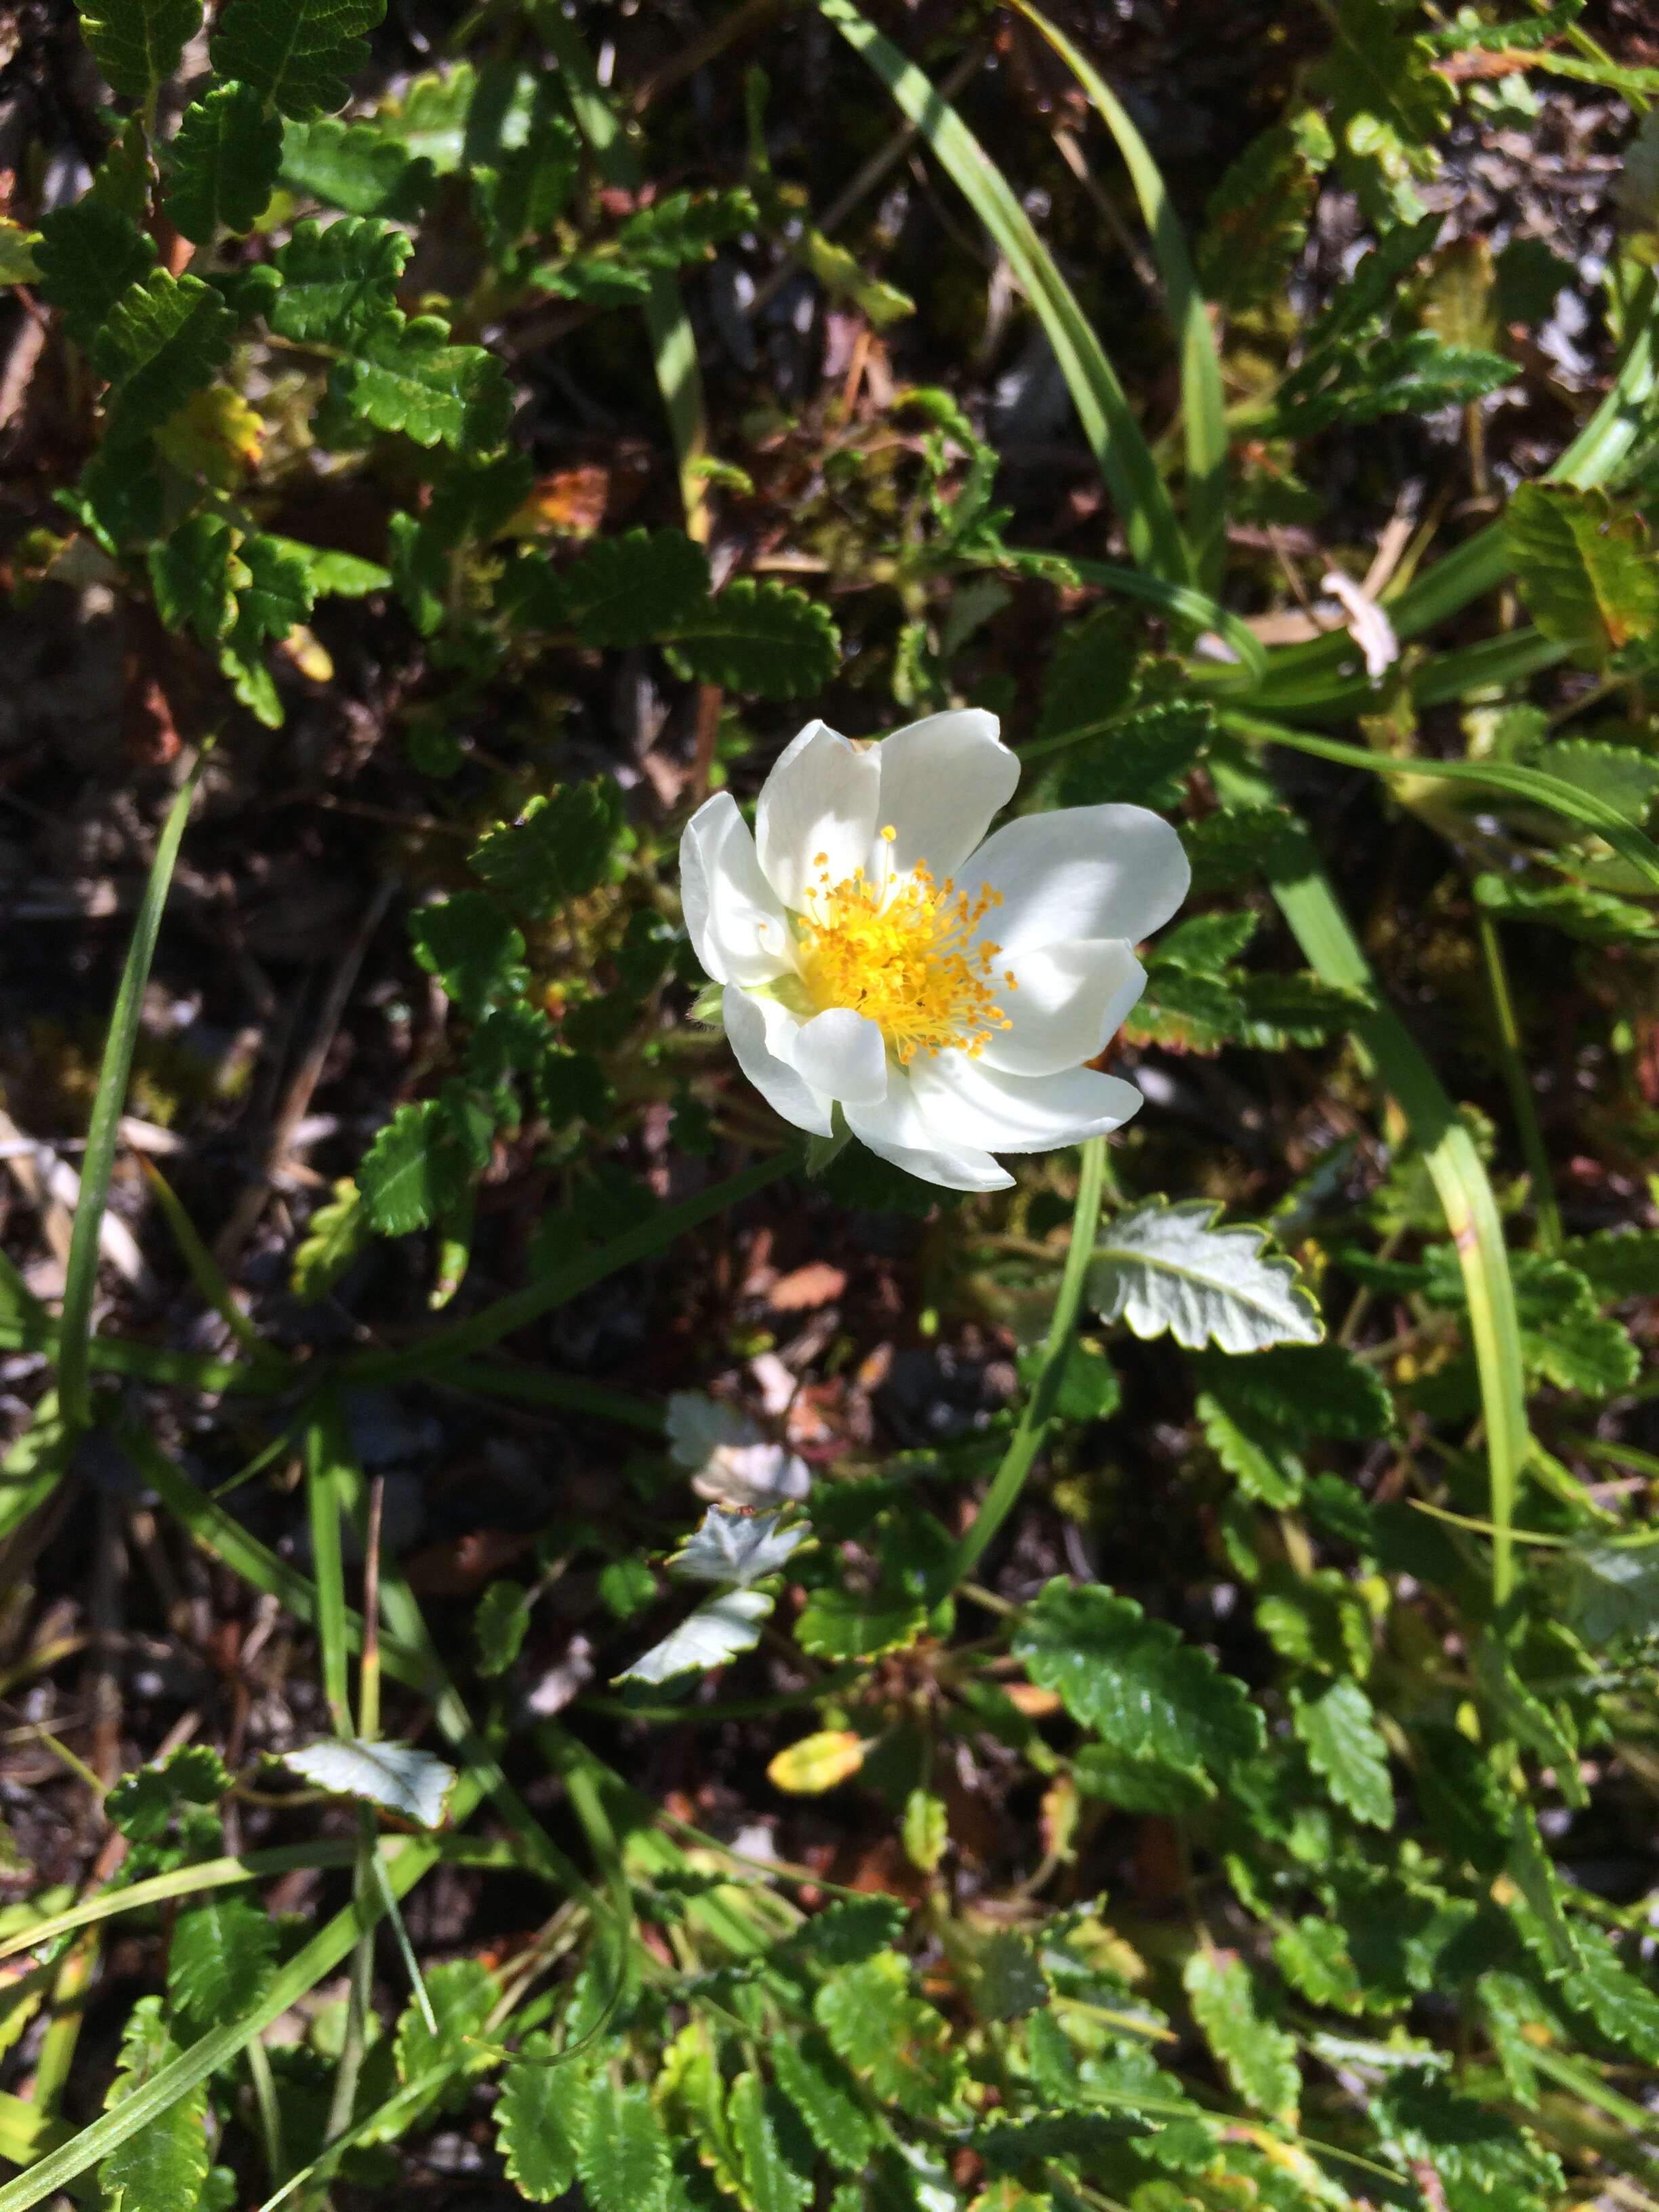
412, 1783
893, 2039
763, 638
1337, 1729
1469, 2146
1206, 943
407, 376
224, 162
1622, 2005
193, 572
1132, 1680
739, 1548
1261, 1463
1236, 844
1142, 758
1314, 1620
163, 2166
1008, 2144
356, 166
1594, 917
296, 54
1313, 1957
850, 1929
1162, 1267
142, 1803
499, 1621
1297, 1009
1417, 374
1617, 1264
541, 2117
220, 1958
1301, 1391
413, 1171
812, 2078
1623, 776
1091, 677
524, 194
718, 1630
472, 948
335, 1234
623, 2160
1584, 566
339, 281
1255, 223
1089, 1388
1136, 1784
164, 338
561, 847
841, 1625
775, 2161
626, 591
273, 597
89, 255
462, 1993
138, 43
1259, 2059
682, 226
18, 265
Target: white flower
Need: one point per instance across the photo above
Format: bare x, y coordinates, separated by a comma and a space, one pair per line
730, 1461
945, 993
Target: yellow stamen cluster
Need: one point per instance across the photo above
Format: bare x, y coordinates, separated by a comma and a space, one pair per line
908, 955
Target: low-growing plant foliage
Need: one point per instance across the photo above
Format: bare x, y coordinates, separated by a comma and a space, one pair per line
1218, 1769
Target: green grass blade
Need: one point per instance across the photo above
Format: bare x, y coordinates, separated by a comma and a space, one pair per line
330, 1944
1536, 784
204, 1270
1115, 437
29, 1471
673, 343
1203, 403
528, 1386
1305, 676
1455, 1166
459, 1341
81, 1275
1186, 606
324, 1499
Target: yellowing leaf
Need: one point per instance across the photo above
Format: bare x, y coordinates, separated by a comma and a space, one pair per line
216, 434
817, 1762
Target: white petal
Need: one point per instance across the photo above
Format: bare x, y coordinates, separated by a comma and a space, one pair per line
843, 1054
1081, 872
733, 916
968, 1104
942, 780
1071, 1000
785, 1091
896, 1130
820, 798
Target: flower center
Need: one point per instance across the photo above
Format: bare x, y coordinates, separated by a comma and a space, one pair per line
908, 955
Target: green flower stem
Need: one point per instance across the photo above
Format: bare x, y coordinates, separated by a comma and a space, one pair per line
1028, 1437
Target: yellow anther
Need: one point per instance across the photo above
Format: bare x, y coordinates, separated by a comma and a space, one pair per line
909, 956
888, 832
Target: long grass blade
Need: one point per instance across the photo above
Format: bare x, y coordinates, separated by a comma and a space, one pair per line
1303, 676
327, 1948
1203, 403
1116, 438
673, 343
1561, 798
109, 1102
1459, 1176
